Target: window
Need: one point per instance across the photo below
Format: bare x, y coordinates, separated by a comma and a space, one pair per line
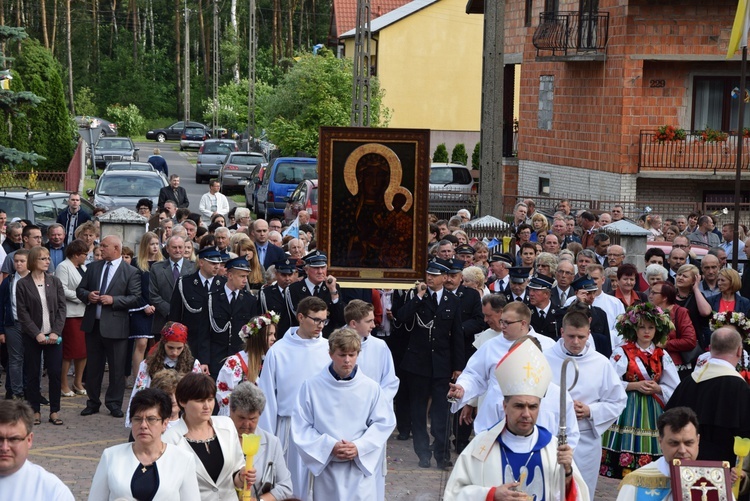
713, 104
546, 96
527, 13
544, 186
44, 211
295, 173
551, 6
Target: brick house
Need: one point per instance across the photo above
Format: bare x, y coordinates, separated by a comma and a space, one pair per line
599, 77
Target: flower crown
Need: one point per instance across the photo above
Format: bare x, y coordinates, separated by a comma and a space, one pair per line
256, 324
738, 320
627, 323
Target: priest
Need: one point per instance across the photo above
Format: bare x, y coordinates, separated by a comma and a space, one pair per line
598, 395
516, 455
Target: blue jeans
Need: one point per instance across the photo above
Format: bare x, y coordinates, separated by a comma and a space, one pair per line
14, 341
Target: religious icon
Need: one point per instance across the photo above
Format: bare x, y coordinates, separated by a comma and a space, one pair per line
700, 481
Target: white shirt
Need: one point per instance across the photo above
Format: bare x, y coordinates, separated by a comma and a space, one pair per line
34, 483
213, 203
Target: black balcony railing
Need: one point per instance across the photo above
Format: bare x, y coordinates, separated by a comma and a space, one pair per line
692, 153
572, 33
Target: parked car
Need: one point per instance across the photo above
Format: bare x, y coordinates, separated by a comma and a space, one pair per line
193, 137
449, 181
133, 166
237, 168
124, 188
39, 207
108, 128
280, 180
114, 149
173, 132
251, 188
304, 197
211, 156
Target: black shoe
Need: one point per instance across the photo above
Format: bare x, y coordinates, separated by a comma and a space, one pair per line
402, 436
89, 411
445, 465
117, 413
43, 400
424, 463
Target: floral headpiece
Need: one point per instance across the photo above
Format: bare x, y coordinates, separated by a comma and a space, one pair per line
256, 324
627, 323
738, 320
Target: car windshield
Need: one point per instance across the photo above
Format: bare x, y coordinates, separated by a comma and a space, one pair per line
129, 186
130, 166
113, 144
450, 175
217, 149
246, 160
295, 173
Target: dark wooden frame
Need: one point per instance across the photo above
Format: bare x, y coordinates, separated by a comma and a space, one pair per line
339, 210
716, 472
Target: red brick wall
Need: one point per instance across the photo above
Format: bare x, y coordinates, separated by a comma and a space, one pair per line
600, 107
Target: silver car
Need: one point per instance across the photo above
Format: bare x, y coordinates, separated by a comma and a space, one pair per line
237, 170
123, 188
114, 149
211, 157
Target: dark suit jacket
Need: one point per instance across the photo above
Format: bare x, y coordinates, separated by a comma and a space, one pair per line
298, 291
226, 343
509, 296
741, 304
272, 299
435, 354
29, 306
161, 285
547, 327
197, 322
6, 308
159, 164
273, 254
125, 288
63, 217
554, 298
472, 318
167, 193
599, 329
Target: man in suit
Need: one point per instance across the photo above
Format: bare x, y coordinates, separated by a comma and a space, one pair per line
109, 288
519, 279
499, 281
72, 217
272, 298
317, 283
230, 309
174, 192
267, 252
585, 290
565, 274
163, 276
189, 303
435, 357
543, 319
56, 245
601, 244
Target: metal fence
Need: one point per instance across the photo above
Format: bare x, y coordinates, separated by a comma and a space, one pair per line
566, 33
47, 181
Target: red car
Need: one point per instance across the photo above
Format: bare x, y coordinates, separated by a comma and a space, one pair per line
304, 197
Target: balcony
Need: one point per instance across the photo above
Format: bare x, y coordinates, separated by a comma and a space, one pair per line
691, 154
572, 36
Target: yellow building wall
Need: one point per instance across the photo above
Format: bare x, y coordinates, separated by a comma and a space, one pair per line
430, 67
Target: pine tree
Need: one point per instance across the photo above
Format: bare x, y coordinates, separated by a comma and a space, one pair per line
441, 154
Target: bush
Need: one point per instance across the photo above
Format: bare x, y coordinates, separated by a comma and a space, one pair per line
475, 157
84, 102
459, 155
441, 154
128, 118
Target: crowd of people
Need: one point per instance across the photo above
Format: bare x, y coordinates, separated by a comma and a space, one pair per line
224, 328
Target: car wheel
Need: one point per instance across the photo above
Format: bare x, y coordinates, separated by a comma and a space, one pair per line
161, 138
197, 179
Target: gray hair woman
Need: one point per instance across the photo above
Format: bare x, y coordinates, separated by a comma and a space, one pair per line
656, 273
274, 481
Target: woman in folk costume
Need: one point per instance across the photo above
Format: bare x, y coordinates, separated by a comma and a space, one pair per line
649, 377
516, 455
259, 335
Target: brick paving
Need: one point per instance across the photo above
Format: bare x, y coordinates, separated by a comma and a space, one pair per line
72, 453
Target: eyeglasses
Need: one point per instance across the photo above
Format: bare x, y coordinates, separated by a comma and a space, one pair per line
506, 323
318, 321
654, 293
150, 420
13, 441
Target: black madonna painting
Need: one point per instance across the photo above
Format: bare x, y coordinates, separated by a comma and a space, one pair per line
373, 193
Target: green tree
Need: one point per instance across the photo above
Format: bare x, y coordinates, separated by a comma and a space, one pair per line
128, 118
475, 156
51, 130
315, 92
84, 102
459, 155
441, 153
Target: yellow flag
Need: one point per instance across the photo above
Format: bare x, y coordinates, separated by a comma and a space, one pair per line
739, 28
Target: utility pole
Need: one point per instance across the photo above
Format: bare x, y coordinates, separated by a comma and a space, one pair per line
361, 77
251, 53
215, 118
491, 137
187, 66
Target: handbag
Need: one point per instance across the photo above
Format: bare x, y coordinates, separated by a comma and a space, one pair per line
267, 480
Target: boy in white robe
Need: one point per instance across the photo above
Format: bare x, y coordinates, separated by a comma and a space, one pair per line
341, 425
516, 455
376, 362
300, 354
598, 395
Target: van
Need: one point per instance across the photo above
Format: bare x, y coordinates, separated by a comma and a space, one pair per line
280, 181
